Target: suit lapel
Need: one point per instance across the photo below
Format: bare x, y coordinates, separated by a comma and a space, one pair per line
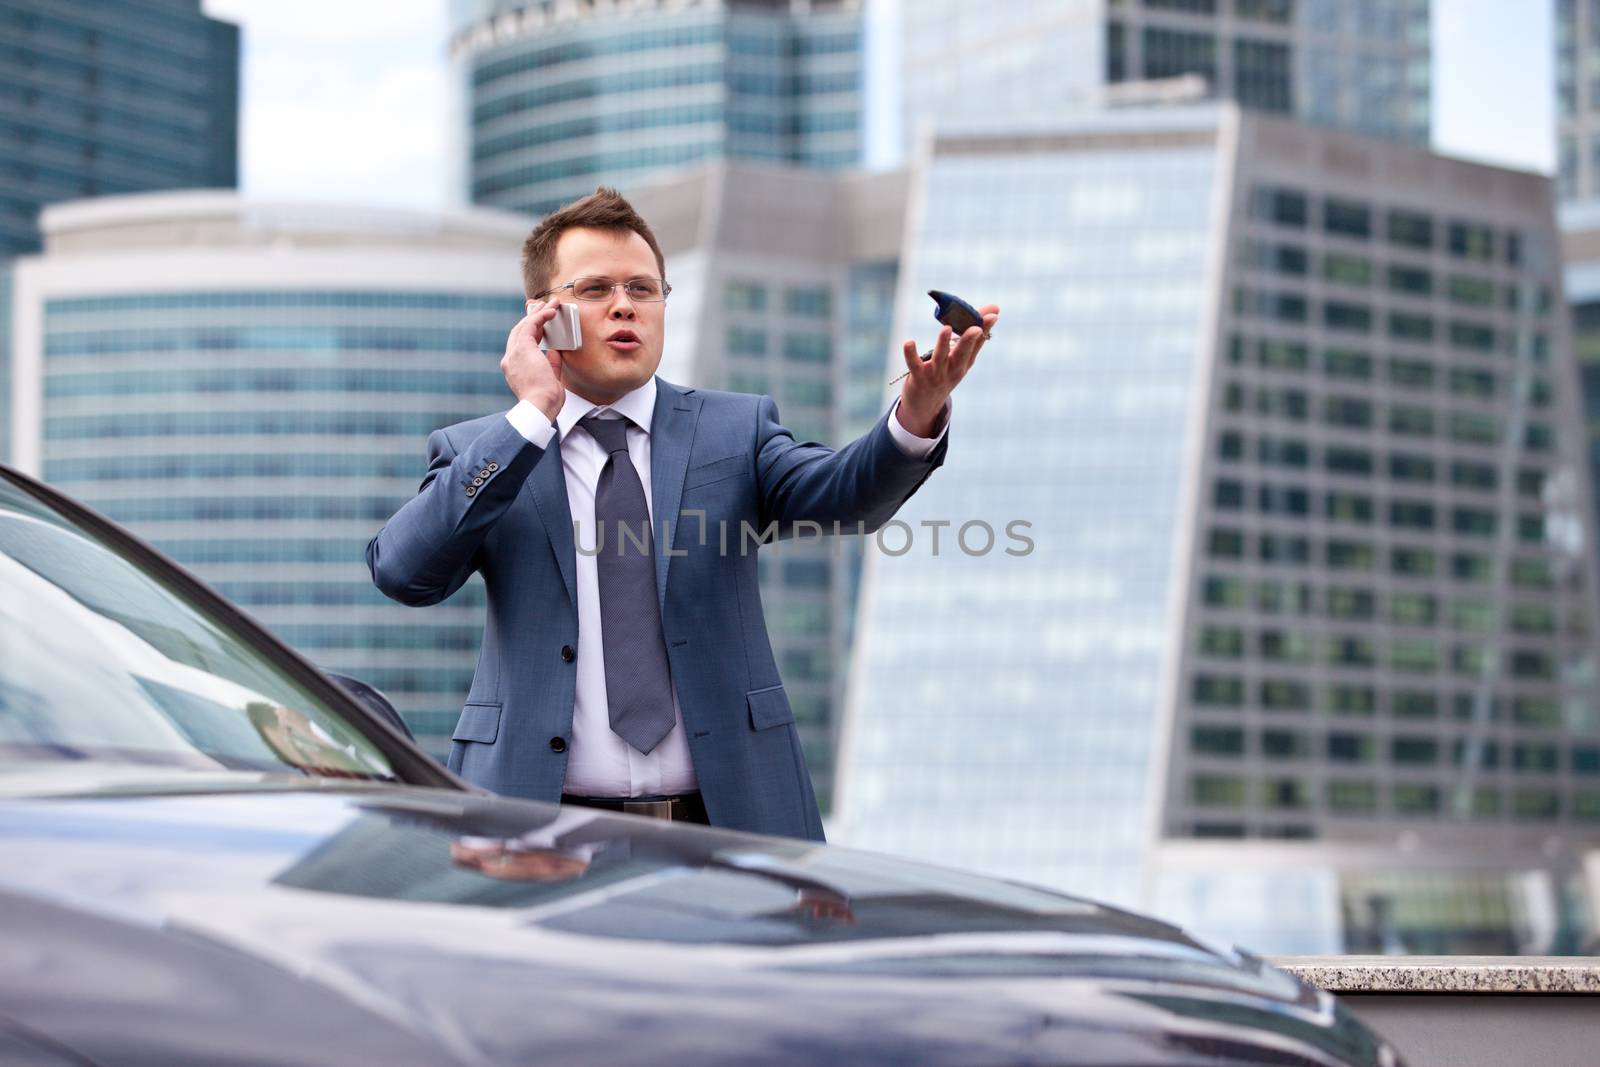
548, 484
672, 427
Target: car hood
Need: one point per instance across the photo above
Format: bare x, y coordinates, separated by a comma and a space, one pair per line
426, 926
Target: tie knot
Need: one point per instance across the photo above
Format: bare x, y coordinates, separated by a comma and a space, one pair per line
611, 433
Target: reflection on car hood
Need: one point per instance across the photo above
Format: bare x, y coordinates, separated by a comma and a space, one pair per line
425, 926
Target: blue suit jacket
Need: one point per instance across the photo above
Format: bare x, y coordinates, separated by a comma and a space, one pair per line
724, 454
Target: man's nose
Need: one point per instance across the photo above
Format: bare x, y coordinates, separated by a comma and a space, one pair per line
621, 305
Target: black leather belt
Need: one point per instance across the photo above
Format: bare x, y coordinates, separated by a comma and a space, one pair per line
685, 807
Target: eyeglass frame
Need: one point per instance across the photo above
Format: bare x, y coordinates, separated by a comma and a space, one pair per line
666, 289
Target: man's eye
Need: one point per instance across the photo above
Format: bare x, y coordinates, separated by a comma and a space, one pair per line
642, 289
592, 289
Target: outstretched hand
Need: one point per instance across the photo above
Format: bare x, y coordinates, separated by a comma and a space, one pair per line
929, 383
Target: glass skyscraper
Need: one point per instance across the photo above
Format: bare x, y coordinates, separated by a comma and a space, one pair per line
1356, 64
556, 98
249, 386
114, 96
783, 284
1577, 89
1299, 646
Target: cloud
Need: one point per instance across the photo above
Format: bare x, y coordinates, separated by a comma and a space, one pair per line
344, 102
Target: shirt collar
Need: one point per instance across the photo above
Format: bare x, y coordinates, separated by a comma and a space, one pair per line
638, 407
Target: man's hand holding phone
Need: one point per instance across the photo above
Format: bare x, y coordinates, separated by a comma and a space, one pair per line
534, 374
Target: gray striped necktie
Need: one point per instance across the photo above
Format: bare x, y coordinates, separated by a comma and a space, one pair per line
638, 681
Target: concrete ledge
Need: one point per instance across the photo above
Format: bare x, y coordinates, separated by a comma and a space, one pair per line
1469, 1011
1446, 974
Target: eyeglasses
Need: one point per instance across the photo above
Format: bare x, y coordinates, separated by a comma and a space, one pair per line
648, 290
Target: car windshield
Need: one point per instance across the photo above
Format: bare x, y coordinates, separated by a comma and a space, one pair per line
101, 659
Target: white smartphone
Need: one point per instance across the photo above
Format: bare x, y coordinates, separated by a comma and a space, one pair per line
563, 332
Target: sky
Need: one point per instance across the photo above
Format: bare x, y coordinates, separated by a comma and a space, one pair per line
351, 101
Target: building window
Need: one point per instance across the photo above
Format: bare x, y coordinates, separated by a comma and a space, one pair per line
1280, 548
1414, 654
1478, 384
1351, 748
1224, 592
1348, 507
807, 347
1345, 603
1172, 53
1413, 609
1416, 799
1218, 690
1349, 318
1410, 229
1217, 740
1345, 460
1283, 452
1472, 615
1221, 641
1352, 796
1539, 804
1471, 240
1285, 646
1347, 363
1279, 206
1414, 704
1411, 373
1276, 258
1350, 556
1262, 75
1217, 791
1347, 218
1352, 700
1284, 744
1413, 562
1347, 411
744, 296
1466, 475
1282, 694
1404, 467
1404, 326
1408, 421
809, 301
744, 341
1410, 515
1226, 544
1412, 281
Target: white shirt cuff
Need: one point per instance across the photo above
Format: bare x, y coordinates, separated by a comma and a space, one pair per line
531, 423
913, 446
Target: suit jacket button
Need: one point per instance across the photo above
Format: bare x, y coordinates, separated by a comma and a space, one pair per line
470, 490
477, 482
484, 473
493, 466
558, 744
567, 654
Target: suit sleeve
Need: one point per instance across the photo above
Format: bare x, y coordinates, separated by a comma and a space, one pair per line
865, 481
427, 550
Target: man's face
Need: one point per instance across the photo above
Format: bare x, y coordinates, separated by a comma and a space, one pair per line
622, 338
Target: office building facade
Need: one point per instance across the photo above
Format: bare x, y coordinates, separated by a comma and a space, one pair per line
116, 96
555, 97
249, 386
783, 283
1577, 71
1302, 630
1360, 65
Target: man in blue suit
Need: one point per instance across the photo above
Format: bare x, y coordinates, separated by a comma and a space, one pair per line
614, 518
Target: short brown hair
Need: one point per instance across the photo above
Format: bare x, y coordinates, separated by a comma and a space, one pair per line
603, 209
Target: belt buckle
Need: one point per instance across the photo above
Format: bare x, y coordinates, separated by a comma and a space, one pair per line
653, 809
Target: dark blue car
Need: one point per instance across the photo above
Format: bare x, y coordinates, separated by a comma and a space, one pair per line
211, 853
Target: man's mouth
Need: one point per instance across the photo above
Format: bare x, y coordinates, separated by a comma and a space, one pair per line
624, 341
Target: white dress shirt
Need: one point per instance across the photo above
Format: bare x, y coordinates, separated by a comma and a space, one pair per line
599, 762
